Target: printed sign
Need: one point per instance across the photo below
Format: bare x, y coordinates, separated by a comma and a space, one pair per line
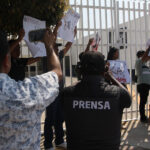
37, 48
69, 21
120, 71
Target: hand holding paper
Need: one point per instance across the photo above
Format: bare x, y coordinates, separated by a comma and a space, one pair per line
69, 21
37, 48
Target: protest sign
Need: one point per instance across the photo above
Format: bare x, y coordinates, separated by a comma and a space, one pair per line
120, 71
96, 41
69, 21
37, 48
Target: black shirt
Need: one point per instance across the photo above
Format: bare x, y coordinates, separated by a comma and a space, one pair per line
93, 113
17, 71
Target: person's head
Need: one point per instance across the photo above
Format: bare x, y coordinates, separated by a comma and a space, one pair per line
5, 59
80, 55
140, 53
113, 54
92, 63
16, 52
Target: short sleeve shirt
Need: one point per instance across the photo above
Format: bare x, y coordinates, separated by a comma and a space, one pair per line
142, 72
93, 113
21, 106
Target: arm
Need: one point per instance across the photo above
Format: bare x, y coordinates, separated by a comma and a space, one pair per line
69, 44
145, 57
88, 45
56, 28
32, 60
112, 79
53, 63
21, 35
125, 97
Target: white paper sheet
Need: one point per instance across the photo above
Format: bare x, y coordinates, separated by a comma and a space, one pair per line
69, 21
37, 48
120, 71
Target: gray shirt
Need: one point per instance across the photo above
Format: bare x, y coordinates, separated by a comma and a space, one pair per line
142, 72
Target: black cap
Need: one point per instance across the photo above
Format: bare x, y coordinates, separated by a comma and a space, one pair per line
92, 63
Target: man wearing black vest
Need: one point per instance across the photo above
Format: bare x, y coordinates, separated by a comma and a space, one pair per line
93, 108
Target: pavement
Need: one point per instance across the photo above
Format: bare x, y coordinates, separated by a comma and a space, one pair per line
134, 136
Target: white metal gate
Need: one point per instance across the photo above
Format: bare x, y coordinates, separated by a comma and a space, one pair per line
123, 24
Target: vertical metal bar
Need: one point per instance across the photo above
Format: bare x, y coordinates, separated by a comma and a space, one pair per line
94, 17
88, 19
82, 25
139, 7
100, 19
130, 54
146, 23
77, 43
106, 25
135, 27
115, 21
124, 36
112, 27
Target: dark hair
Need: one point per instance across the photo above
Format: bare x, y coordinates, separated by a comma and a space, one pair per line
3, 47
111, 53
140, 53
80, 55
92, 63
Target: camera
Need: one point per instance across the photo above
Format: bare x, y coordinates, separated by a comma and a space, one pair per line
36, 35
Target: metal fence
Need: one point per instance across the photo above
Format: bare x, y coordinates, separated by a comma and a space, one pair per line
122, 23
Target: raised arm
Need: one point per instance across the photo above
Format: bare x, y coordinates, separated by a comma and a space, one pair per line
145, 57
56, 29
88, 45
15, 43
69, 44
53, 63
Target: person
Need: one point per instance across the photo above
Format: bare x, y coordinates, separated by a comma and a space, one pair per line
143, 81
18, 65
22, 102
54, 115
113, 54
77, 68
93, 108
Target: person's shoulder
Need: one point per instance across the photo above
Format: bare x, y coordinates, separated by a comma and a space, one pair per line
71, 88
49, 76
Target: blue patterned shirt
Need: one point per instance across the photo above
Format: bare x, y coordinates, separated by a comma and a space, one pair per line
21, 106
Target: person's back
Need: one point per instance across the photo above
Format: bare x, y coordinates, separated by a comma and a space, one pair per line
22, 102
21, 106
93, 112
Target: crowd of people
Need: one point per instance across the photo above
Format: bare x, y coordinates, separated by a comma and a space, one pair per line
92, 108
